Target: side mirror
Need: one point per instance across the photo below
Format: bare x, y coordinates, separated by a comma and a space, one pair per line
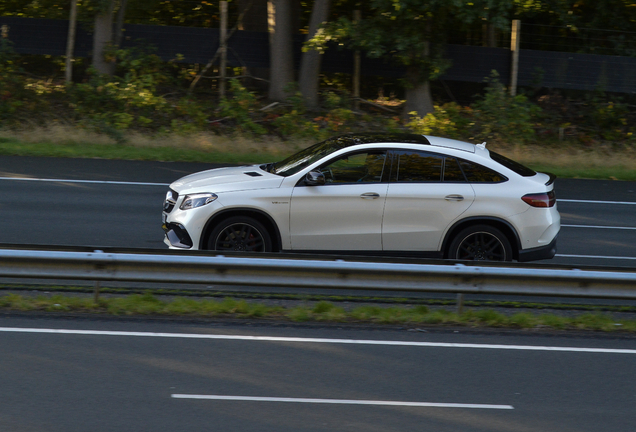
315, 178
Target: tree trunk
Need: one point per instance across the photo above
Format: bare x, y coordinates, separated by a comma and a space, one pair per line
418, 95
310, 61
70, 43
119, 23
281, 62
103, 38
255, 20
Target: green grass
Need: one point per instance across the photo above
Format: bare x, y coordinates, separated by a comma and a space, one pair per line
323, 311
584, 164
12, 147
602, 173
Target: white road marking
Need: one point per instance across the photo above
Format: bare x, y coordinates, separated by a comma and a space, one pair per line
316, 340
341, 401
85, 181
596, 257
168, 184
596, 202
598, 226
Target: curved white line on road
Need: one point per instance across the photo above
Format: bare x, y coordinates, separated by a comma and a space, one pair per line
598, 226
340, 401
316, 340
596, 257
596, 202
85, 181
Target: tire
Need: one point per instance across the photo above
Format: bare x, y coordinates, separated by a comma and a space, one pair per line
240, 234
480, 243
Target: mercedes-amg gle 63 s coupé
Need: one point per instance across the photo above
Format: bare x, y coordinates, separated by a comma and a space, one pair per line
381, 194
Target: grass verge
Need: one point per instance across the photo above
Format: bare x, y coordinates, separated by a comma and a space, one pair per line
323, 311
565, 160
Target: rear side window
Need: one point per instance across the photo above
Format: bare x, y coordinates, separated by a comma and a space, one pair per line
413, 167
476, 173
452, 171
512, 165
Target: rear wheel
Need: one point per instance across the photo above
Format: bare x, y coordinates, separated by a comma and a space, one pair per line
480, 243
240, 234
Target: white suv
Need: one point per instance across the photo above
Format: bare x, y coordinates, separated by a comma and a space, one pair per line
382, 194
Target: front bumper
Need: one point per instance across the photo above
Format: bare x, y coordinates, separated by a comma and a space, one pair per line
543, 252
177, 236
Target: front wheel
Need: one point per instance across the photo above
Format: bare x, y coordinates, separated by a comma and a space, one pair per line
480, 243
240, 234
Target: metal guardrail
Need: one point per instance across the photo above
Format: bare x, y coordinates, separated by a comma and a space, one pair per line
311, 273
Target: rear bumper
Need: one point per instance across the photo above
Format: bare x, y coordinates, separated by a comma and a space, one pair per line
539, 253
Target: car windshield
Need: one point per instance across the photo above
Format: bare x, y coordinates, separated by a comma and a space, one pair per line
306, 157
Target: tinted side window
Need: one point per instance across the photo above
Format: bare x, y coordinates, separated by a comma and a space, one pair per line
418, 167
452, 171
476, 173
364, 167
512, 165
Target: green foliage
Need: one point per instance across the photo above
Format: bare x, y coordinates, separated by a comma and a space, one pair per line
293, 122
611, 120
241, 108
448, 120
125, 100
12, 91
504, 117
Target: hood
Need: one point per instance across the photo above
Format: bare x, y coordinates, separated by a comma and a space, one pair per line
227, 180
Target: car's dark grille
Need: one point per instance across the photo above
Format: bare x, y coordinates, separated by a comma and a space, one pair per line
171, 200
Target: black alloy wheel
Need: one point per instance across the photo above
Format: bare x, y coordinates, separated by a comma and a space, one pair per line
480, 243
240, 234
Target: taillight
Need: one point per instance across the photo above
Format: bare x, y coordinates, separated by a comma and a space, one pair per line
545, 199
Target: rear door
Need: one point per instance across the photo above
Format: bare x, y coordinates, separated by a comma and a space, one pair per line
427, 193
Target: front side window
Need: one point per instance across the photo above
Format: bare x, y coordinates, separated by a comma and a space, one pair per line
363, 167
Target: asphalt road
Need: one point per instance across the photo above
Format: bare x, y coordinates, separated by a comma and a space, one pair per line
88, 209
159, 376
112, 375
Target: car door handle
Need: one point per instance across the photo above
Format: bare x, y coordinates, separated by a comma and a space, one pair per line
454, 198
370, 195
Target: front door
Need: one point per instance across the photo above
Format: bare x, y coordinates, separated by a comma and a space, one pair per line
344, 214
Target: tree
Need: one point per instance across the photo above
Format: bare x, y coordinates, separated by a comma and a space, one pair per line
310, 60
280, 48
104, 39
412, 33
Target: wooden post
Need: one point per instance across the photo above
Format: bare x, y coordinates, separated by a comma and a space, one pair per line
223, 47
70, 43
514, 47
356, 67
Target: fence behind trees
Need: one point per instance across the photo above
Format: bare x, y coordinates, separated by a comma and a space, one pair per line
538, 68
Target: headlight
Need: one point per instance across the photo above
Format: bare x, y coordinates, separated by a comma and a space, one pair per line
197, 200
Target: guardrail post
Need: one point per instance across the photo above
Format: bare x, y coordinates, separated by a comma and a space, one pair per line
97, 283
460, 304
